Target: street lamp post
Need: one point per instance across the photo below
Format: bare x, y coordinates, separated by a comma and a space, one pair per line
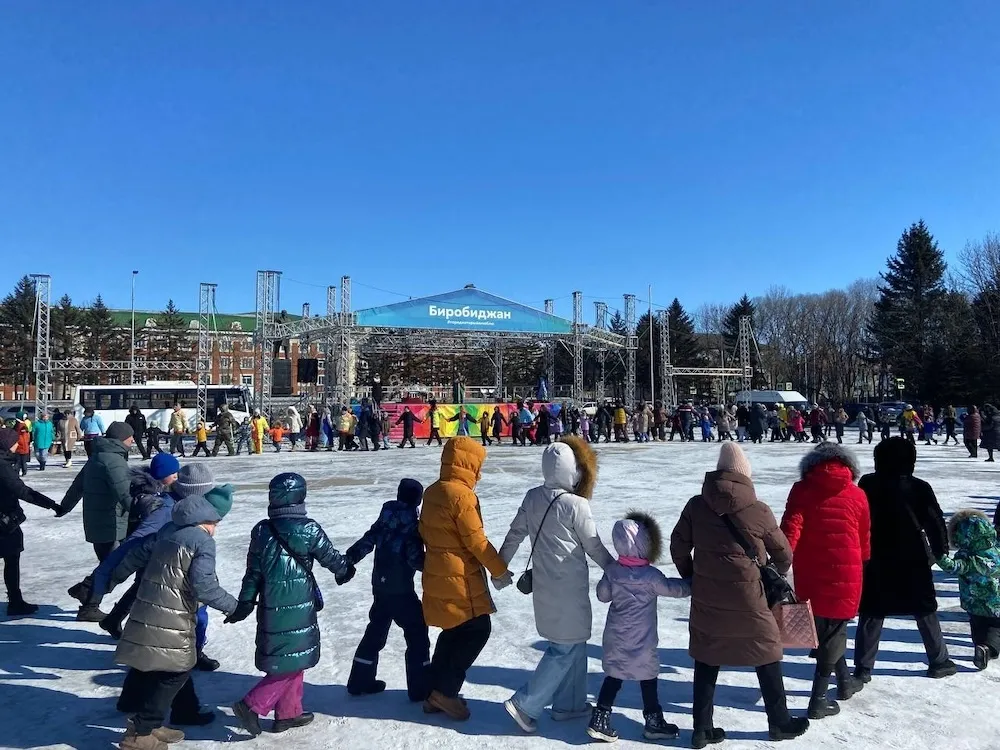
132, 360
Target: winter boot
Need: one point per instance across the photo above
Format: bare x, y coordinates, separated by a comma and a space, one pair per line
283, 725
20, 608
247, 718
81, 591
945, 669
703, 737
206, 663
168, 736
600, 727
847, 686
90, 613
373, 688
981, 656
862, 675
819, 706
112, 627
522, 719
454, 708
657, 727
133, 741
795, 727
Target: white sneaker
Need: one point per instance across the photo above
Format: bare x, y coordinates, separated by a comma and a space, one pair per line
524, 721
580, 713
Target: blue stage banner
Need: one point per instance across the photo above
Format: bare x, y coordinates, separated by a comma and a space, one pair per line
465, 309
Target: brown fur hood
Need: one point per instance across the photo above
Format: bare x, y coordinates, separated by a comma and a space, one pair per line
571, 465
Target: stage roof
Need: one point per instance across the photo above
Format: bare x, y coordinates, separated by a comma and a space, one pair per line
468, 309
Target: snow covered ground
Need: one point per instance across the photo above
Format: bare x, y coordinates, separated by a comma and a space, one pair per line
58, 684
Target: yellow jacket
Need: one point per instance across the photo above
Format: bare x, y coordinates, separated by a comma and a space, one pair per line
201, 434
620, 416
258, 426
458, 553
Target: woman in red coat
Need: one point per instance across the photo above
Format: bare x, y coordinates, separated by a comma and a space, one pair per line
828, 525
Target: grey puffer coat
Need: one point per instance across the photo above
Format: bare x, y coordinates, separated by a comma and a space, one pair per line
179, 572
560, 574
630, 633
103, 484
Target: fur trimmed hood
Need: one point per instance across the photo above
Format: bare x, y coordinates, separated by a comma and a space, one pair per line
638, 535
571, 465
825, 452
971, 530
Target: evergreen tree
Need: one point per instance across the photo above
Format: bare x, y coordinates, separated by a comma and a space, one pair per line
17, 333
172, 334
685, 350
643, 358
903, 325
731, 336
102, 340
65, 327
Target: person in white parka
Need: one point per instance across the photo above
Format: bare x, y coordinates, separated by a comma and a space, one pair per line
556, 519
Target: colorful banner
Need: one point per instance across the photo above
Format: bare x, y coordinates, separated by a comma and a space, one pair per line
447, 411
464, 310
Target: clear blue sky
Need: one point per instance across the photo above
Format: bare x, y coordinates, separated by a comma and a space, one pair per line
532, 148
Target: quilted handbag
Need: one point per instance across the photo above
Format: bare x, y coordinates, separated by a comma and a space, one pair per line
796, 624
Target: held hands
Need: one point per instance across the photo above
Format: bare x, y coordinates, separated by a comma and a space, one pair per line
347, 576
503, 581
59, 511
242, 612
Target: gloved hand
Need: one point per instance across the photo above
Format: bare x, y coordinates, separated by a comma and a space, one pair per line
503, 581
242, 612
60, 511
347, 576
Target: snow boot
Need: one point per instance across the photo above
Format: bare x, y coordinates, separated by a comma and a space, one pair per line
168, 736
600, 727
112, 627
81, 591
90, 613
862, 675
206, 663
945, 669
702, 737
795, 727
373, 688
981, 656
430, 709
133, 741
454, 708
657, 727
580, 713
283, 725
819, 706
247, 718
520, 718
20, 608
847, 686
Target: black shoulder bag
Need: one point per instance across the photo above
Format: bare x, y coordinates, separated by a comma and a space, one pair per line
317, 594
924, 539
524, 583
776, 588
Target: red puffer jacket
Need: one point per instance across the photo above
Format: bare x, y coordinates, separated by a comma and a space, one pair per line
827, 523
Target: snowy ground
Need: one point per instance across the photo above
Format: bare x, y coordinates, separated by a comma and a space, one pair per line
58, 684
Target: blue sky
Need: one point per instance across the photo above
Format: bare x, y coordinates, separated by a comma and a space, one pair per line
708, 148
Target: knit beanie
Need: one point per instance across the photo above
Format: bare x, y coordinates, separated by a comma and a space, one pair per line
8, 438
119, 431
410, 492
193, 479
732, 459
221, 498
163, 465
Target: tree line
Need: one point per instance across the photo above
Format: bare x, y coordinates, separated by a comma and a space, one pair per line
935, 330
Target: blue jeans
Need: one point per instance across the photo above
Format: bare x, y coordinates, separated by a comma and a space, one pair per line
560, 679
201, 628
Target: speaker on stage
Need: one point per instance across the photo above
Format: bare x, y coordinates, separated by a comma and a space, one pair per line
281, 377
308, 370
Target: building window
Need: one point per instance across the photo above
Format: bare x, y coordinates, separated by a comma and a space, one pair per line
226, 344
321, 379
226, 379
246, 380
226, 363
246, 363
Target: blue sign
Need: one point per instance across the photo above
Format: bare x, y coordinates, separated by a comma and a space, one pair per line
464, 310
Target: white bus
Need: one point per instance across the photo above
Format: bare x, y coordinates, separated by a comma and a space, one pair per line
156, 400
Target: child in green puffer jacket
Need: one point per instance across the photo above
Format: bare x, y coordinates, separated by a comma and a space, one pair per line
977, 564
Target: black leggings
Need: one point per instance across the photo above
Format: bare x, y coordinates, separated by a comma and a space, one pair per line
12, 577
771, 687
611, 686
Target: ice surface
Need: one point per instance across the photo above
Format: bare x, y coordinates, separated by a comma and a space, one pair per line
58, 684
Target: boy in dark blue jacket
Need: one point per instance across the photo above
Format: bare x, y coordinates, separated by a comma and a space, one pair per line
399, 553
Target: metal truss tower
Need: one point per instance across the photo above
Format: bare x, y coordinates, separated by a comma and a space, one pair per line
498, 367
746, 337
667, 389
550, 351
203, 365
578, 347
601, 324
329, 367
43, 363
268, 296
631, 345
345, 342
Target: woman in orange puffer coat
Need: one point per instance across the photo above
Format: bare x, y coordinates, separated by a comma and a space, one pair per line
459, 555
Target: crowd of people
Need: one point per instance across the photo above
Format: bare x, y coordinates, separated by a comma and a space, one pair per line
856, 547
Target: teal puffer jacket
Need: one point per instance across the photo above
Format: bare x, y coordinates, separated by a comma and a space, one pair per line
287, 633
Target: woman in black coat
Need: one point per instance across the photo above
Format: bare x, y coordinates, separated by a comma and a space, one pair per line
12, 491
990, 430
898, 581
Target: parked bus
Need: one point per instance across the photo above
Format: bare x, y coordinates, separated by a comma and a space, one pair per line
156, 400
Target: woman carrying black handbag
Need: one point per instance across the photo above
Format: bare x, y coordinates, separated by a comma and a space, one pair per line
12, 491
